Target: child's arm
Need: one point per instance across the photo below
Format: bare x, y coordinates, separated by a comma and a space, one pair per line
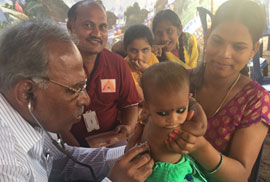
195, 127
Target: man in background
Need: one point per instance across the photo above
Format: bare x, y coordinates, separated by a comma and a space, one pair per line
109, 81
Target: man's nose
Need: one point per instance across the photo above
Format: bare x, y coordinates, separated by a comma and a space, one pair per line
84, 98
96, 31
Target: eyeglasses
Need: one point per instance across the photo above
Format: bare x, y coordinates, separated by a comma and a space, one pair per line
77, 91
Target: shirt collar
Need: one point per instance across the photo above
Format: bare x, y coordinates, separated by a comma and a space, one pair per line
24, 133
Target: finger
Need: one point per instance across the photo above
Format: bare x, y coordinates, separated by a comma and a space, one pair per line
200, 114
146, 170
168, 145
190, 114
135, 151
187, 137
140, 160
174, 145
117, 129
184, 146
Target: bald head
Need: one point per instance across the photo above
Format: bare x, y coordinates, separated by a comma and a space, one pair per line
72, 12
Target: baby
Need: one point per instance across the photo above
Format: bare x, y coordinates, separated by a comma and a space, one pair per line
166, 101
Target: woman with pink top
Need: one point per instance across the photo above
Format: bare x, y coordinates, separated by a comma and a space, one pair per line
237, 107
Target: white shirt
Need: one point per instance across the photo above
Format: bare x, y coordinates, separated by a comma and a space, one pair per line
27, 153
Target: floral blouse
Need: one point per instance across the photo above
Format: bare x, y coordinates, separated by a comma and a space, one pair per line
249, 106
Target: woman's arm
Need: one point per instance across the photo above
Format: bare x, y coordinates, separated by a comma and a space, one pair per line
245, 147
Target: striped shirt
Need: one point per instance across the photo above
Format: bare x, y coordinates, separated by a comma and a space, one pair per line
27, 153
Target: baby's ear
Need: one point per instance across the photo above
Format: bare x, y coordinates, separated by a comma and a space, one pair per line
190, 95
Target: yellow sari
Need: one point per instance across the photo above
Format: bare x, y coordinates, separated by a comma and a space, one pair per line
191, 52
137, 74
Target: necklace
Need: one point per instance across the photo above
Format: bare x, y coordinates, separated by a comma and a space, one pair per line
226, 96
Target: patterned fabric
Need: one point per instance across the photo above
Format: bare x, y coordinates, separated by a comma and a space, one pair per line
27, 153
183, 171
137, 75
249, 106
191, 52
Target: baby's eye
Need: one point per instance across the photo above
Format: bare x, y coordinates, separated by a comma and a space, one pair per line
181, 110
163, 113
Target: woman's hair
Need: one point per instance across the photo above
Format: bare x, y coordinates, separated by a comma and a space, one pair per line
166, 15
170, 16
138, 31
246, 12
163, 77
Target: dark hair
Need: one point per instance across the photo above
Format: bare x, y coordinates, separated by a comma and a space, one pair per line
72, 12
163, 77
24, 50
166, 15
246, 12
172, 17
136, 32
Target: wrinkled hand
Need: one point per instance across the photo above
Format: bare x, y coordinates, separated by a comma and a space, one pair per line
130, 168
186, 141
123, 130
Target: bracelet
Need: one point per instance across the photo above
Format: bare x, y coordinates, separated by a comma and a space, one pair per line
218, 166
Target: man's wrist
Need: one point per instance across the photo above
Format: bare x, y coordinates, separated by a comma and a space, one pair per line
106, 180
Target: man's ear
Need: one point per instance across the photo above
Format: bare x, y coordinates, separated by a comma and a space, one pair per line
69, 26
23, 91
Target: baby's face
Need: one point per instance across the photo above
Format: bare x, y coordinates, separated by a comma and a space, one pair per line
139, 50
169, 110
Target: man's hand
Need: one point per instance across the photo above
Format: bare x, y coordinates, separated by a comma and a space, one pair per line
125, 130
131, 167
